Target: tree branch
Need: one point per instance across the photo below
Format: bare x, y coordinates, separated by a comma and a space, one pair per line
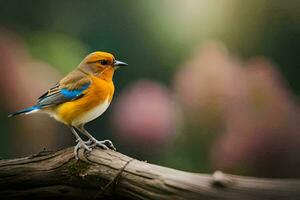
112, 175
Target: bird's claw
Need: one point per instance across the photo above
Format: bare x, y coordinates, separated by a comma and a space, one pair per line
89, 142
104, 144
80, 144
109, 144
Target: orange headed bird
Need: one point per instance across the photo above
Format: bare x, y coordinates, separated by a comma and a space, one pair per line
81, 96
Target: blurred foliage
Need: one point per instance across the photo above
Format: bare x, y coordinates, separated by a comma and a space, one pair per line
193, 102
58, 50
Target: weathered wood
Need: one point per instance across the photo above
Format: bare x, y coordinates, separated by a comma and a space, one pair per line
112, 175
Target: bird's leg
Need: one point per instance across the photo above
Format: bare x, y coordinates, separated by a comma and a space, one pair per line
104, 144
80, 143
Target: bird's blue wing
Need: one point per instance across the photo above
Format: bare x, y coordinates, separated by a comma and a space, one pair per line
57, 95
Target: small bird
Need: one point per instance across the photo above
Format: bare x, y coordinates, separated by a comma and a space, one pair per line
81, 96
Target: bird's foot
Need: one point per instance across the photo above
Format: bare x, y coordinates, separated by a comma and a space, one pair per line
104, 144
89, 142
80, 144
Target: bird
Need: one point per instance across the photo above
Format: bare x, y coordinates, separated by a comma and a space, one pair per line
80, 97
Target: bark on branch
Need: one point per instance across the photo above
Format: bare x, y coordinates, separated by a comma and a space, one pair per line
112, 175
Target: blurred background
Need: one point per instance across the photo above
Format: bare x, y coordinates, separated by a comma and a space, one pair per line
211, 85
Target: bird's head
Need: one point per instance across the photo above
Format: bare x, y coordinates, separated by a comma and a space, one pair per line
101, 64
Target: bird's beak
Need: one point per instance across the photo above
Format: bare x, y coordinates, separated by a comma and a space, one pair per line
119, 63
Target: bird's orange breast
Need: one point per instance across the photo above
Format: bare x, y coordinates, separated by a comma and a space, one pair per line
99, 92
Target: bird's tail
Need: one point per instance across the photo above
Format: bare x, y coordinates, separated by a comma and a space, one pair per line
25, 111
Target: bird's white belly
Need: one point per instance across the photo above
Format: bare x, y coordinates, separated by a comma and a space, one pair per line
92, 114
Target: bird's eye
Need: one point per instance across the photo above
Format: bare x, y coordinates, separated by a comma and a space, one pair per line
103, 62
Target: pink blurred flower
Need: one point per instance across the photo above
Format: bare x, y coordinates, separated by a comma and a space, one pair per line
22, 80
266, 135
250, 115
209, 84
143, 114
